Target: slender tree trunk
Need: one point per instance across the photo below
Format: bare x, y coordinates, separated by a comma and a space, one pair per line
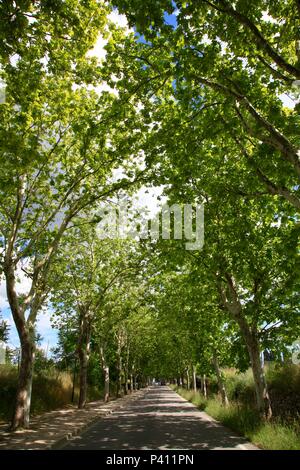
194, 379
119, 365
83, 353
250, 336
131, 383
203, 386
106, 383
126, 371
83, 361
21, 413
188, 385
221, 384
119, 381
23, 397
105, 369
261, 390
263, 401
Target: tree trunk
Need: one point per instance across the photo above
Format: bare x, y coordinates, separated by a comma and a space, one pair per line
126, 371
188, 385
119, 383
263, 401
105, 369
119, 365
106, 383
21, 413
83, 353
23, 398
194, 379
203, 386
131, 383
261, 390
83, 361
221, 384
250, 336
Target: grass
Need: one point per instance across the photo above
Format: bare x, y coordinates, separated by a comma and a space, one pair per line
51, 389
282, 433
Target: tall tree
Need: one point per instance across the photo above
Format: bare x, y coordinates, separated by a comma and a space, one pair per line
59, 146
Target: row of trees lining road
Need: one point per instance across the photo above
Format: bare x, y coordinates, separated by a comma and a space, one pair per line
60, 141
92, 277
226, 139
197, 107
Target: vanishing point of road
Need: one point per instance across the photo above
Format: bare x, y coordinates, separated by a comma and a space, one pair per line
159, 419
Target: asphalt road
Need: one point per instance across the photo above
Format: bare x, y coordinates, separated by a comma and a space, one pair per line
160, 419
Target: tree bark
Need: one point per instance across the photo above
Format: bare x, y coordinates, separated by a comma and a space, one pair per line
203, 386
182, 382
263, 401
23, 397
106, 383
105, 369
119, 337
131, 383
83, 353
250, 336
26, 335
127, 371
194, 379
221, 384
119, 382
83, 361
261, 389
188, 385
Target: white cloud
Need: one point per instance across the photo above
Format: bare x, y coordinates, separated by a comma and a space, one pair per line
104, 87
98, 49
3, 298
268, 18
23, 283
146, 198
287, 101
22, 286
119, 20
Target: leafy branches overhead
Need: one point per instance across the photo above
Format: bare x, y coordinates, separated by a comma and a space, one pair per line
197, 106
243, 56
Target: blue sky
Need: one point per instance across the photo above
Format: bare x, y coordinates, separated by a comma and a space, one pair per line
170, 19
48, 333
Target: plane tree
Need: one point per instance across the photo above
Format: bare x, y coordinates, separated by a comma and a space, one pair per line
60, 144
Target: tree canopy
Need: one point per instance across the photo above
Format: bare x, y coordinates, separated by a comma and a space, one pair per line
199, 108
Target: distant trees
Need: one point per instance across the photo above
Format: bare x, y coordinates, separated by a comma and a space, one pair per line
4, 329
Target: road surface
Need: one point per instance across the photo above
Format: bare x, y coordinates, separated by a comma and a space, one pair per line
160, 419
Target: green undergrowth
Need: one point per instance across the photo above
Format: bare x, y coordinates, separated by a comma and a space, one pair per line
282, 432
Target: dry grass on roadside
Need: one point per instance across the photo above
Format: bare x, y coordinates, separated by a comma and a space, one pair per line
282, 433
